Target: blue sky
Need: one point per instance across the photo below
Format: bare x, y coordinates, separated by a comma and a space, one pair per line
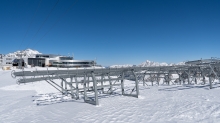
113, 31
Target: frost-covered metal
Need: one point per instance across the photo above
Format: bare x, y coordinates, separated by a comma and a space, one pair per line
98, 79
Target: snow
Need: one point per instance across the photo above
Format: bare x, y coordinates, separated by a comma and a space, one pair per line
120, 66
38, 102
148, 63
25, 53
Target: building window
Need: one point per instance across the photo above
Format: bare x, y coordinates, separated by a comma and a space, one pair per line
8, 59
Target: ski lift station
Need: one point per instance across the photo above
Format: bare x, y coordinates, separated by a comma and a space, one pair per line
58, 61
50, 60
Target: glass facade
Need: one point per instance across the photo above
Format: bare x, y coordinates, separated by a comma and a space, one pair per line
42, 56
72, 63
66, 58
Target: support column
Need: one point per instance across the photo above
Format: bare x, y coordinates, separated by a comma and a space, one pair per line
95, 89
203, 78
102, 84
88, 82
62, 87
168, 81
188, 77
110, 82
77, 88
210, 82
84, 86
136, 84
180, 78
151, 79
122, 83
210, 79
71, 87
143, 79
195, 80
65, 88
158, 75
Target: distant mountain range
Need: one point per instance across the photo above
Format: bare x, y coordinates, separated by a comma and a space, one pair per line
152, 63
148, 64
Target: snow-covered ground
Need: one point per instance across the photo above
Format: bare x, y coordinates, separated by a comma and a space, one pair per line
156, 104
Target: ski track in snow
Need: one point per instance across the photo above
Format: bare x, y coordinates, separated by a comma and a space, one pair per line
156, 104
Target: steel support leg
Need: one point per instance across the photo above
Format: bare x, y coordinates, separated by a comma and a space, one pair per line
65, 88
136, 84
62, 87
210, 82
84, 86
195, 80
143, 80
122, 84
110, 82
151, 79
158, 75
95, 89
180, 78
168, 81
77, 88
102, 84
188, 77
71, 87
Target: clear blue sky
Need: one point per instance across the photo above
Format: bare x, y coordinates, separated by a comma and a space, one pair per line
113, 31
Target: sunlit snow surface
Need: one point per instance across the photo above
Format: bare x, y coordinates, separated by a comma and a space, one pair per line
40, 103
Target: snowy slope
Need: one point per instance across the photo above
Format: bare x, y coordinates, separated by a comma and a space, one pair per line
157, 104
25, 53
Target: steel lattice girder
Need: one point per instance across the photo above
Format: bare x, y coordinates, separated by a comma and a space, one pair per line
208, 68
31, 76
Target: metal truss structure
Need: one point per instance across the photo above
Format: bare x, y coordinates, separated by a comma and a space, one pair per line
95, 81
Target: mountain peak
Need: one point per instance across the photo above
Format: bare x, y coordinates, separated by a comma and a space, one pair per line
25, 53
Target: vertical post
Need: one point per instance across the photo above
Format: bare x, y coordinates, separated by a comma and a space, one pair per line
151, 79
203, 78
195, 80
102, 84
183, 76
136, 84
195, 75
95, 89
77, 88
143, 79
65, 88
110, 82
84, 86
188, 77
62, 87
122, 83
88, 83
158, 75
168, 81
179, 78
71, 87
210, 82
